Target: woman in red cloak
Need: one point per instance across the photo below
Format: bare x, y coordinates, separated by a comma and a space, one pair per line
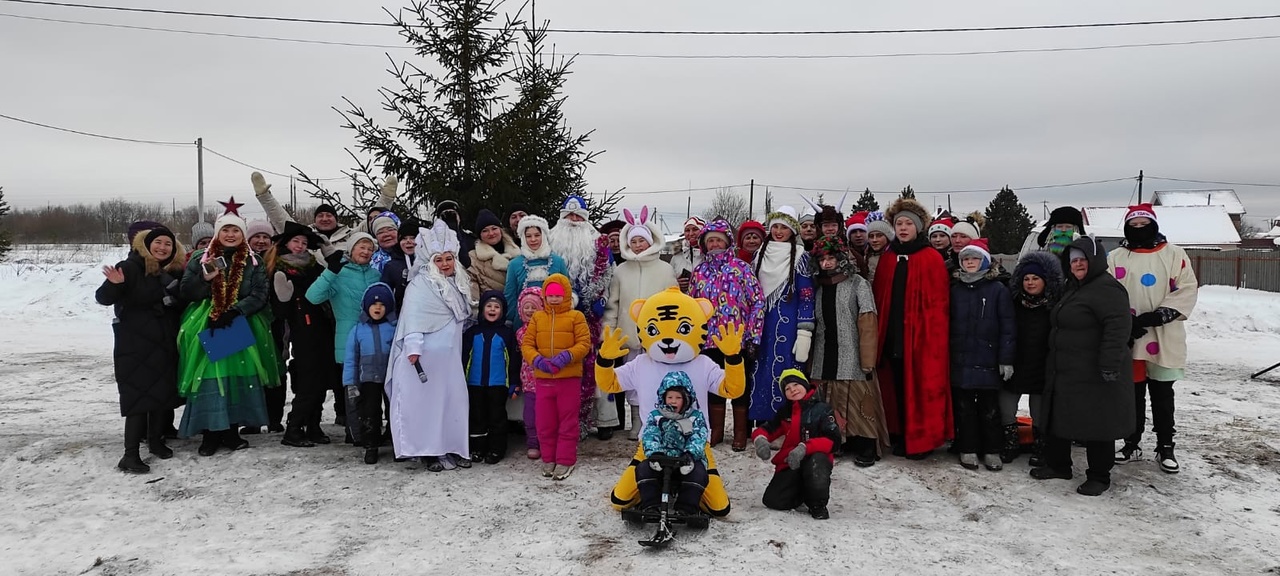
912, 292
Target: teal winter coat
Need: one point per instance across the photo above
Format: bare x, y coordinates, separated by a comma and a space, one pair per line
344, 292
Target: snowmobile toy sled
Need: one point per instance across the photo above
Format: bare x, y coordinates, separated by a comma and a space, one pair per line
665, 514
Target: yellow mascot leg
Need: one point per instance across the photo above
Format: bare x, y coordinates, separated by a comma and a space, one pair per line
626, 493
715, 500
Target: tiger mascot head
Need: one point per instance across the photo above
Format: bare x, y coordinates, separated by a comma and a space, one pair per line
671, 325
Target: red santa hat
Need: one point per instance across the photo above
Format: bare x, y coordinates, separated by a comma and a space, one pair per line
977, 248
1140, 211
856, 221
942, 225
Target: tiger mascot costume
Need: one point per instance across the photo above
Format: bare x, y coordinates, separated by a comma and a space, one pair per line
671, 325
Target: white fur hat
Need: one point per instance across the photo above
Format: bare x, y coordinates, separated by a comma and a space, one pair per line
786, 216
532, 221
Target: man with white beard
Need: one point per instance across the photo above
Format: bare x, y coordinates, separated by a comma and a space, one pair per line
586, 253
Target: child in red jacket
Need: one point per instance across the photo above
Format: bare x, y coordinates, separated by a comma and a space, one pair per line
803, 465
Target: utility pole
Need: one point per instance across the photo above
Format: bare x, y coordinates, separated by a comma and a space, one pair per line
200, 179
1139, 186
751, 201
688, 207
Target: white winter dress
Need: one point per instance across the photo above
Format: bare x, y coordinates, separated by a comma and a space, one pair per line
429, 418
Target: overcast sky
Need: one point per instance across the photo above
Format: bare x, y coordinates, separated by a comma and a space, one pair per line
1203, 112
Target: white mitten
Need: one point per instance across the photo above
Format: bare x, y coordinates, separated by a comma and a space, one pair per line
1006, 372
260, 186
686, 469
655, 465
390, 187
801, 349
284, 286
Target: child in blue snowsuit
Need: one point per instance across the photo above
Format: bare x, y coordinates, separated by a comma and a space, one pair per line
491, 358
676, 428
364, 371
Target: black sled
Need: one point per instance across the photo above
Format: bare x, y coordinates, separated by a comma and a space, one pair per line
665, 515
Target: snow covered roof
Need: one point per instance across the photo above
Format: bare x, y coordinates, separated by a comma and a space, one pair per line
1225, 198
1183, 225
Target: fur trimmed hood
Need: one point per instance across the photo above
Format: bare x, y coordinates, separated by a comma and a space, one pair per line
176, 264
909, 205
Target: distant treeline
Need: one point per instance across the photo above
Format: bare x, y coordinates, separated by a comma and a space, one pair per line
106, 222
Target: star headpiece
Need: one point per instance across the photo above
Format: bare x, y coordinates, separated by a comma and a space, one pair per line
231, 206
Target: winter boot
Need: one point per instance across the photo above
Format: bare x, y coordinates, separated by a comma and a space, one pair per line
562, 472
1012, 446
232, 440
1049, 473
134, 428
1128, 453
250, 430
1164, 455
210, 443
295, 436
549, 469
1037, 450
716, 415
315, 434
275, 428
819, 513
371, 455
634, 433
1093, 487
969, 460
741, 428
155, 436
992, 462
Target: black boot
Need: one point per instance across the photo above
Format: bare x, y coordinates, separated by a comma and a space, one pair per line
250, 430
294, 435
156, 424
1012, 445
1037, 449
316, 435
134, 429
371, 455
231, 440
210, 443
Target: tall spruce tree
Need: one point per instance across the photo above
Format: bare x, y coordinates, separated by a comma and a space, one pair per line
6, 239
867, 201
1008, 223
454, 133
909, 192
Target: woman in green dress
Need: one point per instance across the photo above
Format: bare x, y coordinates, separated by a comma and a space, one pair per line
223, 283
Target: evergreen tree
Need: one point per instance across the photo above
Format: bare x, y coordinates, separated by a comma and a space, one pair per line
455, 134
1008, 223
867, 201
6, 241
909, 192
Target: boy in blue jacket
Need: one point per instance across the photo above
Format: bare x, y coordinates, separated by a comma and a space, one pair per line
364, 372
983, 340
678, 429
491, 357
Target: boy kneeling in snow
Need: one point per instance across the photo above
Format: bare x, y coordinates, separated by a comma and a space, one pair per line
803, 465
676, 428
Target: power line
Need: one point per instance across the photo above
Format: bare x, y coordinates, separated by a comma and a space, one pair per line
973, 191
93, 135
1214, 182
679, 32
669, 56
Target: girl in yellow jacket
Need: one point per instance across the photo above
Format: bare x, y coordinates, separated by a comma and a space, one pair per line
555, 344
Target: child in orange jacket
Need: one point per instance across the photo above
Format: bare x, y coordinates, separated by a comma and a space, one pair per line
555, 344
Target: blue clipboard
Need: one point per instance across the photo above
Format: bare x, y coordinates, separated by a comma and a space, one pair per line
224, 342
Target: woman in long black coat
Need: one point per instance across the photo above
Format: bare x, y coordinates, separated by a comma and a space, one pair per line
143, 290
1087, 394
1036, 286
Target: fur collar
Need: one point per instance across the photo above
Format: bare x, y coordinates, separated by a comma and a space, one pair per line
499, 261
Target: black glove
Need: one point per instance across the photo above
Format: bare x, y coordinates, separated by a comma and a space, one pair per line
334, 261
1148, 320
224, 320
1136, 331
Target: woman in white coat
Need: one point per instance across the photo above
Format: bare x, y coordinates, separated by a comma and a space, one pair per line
425, 382
641, 275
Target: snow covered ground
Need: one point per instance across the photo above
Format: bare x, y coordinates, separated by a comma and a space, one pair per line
320, 511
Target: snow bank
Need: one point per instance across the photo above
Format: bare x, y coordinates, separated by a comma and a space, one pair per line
55, 280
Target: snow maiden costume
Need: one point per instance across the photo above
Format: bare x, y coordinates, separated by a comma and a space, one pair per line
224, 395
1162, 290
531, 268
429, 418
785, 276
672, 328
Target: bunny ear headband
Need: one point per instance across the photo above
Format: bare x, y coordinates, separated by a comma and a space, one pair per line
630, 218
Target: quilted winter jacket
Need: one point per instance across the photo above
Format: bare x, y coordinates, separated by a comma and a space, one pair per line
343, 292
983, 332
368, 353
554, 330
